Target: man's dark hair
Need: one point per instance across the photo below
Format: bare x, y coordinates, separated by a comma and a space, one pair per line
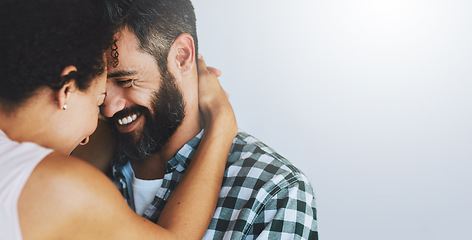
39, 38
156, 23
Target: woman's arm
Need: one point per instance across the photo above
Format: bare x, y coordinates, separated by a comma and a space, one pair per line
197, 193
66, 198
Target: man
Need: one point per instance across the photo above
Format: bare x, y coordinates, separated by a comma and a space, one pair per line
152, 106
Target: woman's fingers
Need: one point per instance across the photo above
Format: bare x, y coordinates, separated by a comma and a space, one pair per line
202, 67
215, 71
213, 100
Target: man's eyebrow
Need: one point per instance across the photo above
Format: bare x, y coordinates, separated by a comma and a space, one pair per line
121, 73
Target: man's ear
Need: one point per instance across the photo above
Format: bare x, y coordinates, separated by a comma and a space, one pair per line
63, 94
182, 53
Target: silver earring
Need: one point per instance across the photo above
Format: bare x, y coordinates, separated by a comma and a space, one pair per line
64, 107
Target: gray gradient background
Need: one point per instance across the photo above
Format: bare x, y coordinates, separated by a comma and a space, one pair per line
371, 99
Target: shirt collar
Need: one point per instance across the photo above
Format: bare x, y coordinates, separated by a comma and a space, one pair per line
182, 159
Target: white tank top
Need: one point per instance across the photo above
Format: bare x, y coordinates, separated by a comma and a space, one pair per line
17, 161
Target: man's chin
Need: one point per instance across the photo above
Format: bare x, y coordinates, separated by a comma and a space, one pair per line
131, 138
134, 146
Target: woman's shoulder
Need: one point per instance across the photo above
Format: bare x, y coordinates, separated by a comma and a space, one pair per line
60, 193
61, 175
67, 198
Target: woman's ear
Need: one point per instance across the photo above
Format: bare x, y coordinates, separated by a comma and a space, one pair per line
182, 53
63, 94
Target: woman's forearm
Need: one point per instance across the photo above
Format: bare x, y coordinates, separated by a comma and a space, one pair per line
190, 208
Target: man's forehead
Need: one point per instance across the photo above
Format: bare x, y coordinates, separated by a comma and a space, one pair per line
127, 38
125, 44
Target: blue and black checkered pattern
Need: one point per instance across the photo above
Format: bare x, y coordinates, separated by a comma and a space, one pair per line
263, 195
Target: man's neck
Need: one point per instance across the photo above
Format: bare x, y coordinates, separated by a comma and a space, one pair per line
153, 166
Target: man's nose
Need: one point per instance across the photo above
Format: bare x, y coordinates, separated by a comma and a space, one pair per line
114, 101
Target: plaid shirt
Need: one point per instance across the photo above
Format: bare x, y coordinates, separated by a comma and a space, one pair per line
263, 195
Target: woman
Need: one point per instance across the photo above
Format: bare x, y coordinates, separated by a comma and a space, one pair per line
52, 83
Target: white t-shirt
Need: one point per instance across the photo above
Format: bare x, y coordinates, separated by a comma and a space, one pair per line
144, 192
17, 161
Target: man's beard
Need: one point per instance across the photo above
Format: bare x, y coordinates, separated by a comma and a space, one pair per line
168, 112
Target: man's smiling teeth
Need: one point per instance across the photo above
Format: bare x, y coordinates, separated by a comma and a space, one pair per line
127, 120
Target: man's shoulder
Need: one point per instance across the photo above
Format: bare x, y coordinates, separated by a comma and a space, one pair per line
248, 151
252, 162
261, 188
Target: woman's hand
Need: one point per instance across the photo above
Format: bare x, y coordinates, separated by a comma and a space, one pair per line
194, 200
213, 100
